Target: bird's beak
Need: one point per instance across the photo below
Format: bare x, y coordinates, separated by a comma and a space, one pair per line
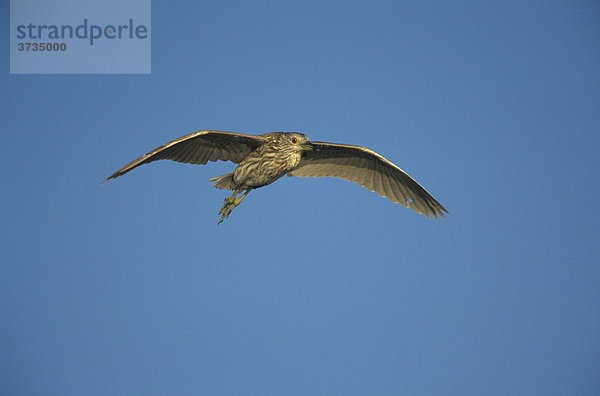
306, 146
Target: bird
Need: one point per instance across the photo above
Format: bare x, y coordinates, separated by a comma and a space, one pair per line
263, 159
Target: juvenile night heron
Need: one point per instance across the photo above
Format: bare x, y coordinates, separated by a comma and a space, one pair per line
262, 159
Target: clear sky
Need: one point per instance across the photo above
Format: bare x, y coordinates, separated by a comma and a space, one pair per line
312, 286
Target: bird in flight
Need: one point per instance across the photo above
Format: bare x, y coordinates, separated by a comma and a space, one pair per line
262, 159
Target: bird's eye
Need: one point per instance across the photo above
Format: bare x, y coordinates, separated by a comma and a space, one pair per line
294, 140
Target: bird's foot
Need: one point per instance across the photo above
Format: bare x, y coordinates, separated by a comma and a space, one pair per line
230, 200
230, 204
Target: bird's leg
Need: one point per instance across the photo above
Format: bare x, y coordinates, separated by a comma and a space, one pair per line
228, 202
231, 203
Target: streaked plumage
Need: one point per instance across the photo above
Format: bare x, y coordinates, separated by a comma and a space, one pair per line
265, 158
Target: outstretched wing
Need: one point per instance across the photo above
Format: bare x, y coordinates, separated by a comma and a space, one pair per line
368, 169
199, 148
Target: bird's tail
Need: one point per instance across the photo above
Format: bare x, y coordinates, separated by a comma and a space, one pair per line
224, 182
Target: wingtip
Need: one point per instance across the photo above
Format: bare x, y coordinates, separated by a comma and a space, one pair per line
440, 213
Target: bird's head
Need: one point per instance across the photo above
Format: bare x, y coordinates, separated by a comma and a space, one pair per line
297, 141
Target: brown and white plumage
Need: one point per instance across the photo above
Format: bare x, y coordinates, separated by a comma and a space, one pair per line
262, 159
370, 170
199, 148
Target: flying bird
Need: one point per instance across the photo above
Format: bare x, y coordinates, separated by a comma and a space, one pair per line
262, 159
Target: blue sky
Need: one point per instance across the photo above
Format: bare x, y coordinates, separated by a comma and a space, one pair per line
312, 286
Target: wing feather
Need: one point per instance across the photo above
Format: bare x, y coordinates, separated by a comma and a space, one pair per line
385, 177
368, 169
379, 181
199, 148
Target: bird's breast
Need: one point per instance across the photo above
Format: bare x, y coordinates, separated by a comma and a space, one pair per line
261, 169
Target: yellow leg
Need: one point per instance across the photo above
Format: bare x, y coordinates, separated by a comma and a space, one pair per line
231, 203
